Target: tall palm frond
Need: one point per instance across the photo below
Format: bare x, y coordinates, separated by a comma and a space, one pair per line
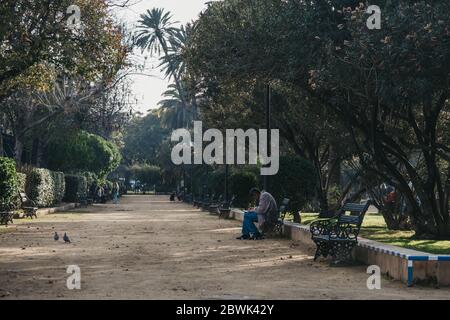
172, 110
154, 29
173, 63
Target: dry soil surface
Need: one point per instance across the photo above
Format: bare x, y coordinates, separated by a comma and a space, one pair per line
150, 248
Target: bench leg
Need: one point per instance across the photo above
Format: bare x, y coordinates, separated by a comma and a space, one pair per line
323, 249
279, 228
342, 251
224, 214
272, 230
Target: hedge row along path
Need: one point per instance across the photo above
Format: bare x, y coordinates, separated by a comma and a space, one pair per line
149, 248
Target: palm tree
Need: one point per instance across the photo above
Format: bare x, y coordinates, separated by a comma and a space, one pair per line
173, 63
155, 30
171, 111
175, 66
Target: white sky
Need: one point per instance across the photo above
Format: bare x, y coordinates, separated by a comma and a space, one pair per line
148, 90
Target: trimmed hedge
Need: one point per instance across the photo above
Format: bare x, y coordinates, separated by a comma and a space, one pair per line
40, 187
8, 184
92, 182
46, 188
76, 188
82, 151
59, 186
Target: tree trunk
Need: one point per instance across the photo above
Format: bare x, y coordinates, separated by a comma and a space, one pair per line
393, 221
40, 153
297, 217
18, 150
176, 78
323, 199
334, 165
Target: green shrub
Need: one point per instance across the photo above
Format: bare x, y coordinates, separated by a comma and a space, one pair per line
40, 187
59, 186
216, 181
82, 151
92, 181
76, 188
8, 184
109, 186
295, 180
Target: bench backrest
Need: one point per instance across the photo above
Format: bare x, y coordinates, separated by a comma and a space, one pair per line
23, 197
284, 205
25, 200
283, 208
351, 223
356, 210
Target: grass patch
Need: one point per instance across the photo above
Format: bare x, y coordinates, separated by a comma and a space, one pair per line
10, 228
374, 228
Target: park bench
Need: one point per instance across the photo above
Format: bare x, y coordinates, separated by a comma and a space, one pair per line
337, 236
28, 206
199, 203
273, 224
188, 198
86, 201
195, 201
6, 217
205, 204
214, 205
225, 208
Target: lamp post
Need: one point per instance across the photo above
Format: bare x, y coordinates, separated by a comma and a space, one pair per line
191, 171
268, 127
184, 182
226, 182
207, 178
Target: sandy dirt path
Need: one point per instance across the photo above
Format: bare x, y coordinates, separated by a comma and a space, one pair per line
149, 248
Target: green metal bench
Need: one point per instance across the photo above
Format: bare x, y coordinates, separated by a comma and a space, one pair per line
214, 206
28, 206
225, 208
336, 237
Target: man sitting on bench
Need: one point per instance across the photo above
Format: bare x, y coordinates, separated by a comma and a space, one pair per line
265, 203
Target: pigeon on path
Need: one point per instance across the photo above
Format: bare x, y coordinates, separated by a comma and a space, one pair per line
66, 238
56, 236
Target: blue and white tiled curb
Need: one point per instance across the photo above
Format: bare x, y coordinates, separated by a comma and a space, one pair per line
411, 260
409, 255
